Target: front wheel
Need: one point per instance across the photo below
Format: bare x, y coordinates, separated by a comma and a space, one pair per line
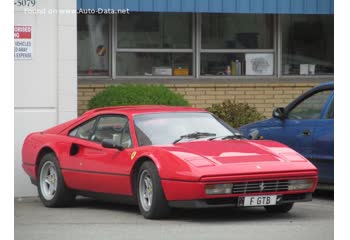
150, 196
283, 208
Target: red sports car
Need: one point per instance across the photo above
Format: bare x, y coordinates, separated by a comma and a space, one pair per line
163, 157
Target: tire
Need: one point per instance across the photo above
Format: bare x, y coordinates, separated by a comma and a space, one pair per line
150, 196
51, 187
283, 208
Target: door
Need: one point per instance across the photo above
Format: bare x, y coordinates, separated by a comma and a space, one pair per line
298, 128
323, 144
99, 169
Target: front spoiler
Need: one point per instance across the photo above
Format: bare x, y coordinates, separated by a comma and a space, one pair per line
233, 201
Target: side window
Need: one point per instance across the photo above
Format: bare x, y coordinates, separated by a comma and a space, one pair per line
83, 131
311, 107
330, 112
113, 127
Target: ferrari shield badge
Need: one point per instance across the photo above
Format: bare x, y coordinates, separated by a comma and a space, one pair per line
133, 154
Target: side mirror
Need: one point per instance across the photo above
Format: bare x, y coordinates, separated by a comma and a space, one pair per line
279, 113
254, 135
109, 143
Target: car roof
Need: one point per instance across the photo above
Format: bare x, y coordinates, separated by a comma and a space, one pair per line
330, 84
141, 109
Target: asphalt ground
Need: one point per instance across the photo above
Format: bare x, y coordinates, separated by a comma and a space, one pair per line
92, 219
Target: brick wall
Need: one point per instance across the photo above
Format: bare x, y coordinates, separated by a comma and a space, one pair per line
263, 96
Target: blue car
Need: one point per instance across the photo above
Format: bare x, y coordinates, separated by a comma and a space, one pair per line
307, 126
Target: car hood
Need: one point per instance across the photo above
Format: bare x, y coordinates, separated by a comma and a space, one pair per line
236, 152
230, 157
261, 123
246, 129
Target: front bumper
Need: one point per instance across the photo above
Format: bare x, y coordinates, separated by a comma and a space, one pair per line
234, 201
176, 190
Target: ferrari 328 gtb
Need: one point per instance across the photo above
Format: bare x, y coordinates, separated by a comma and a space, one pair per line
163, 157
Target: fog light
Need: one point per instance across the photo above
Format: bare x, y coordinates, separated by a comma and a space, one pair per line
218, 189
303, 184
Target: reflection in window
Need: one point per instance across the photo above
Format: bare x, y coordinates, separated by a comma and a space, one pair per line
308, 44
93, 44
154, 30
311, 107
115, 128
165, 128
237, 31
83, 131
154, 64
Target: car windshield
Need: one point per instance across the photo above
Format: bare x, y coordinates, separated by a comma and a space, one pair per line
168, 128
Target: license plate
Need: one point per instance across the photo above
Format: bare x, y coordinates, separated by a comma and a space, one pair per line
265, 200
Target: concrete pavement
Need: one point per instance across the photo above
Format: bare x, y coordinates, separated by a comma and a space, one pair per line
90, 219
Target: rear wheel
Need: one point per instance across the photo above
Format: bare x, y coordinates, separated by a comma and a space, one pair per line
283, 208
51, 188
150, 196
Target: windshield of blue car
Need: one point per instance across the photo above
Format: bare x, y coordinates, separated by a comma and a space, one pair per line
165, 128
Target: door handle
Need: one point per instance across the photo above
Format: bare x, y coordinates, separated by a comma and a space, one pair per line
306, 132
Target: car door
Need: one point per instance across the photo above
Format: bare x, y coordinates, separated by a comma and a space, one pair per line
298, 127
323, 144
99, 169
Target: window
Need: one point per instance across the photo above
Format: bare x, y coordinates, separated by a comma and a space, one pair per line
164, 44
330, 111
113, 127
311, 107
107, 127
237, 44
154, 44
165, 128
84, 130
237, 31
307, 44
148, 64
154, 30
93, 45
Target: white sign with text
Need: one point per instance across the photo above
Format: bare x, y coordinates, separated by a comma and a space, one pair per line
23, 42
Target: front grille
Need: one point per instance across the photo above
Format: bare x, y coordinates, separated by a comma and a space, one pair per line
260, 186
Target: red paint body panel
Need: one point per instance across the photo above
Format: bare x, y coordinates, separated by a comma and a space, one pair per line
184, 168
96, 182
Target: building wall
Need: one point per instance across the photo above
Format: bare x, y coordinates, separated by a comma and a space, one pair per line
218, 6
46, 85
264, 96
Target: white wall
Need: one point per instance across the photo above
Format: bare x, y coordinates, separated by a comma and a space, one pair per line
46, 86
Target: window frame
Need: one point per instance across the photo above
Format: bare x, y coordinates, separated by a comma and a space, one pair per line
117, 50
280, 56
97, 119
196, 57
306, 96
273, 50
110, 54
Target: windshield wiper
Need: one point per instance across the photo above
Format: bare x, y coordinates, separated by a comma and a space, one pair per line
195, 135
233, 136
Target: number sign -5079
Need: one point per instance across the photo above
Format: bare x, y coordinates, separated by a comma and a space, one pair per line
25, 3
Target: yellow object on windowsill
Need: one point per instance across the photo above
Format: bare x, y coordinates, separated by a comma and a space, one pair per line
181, 72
